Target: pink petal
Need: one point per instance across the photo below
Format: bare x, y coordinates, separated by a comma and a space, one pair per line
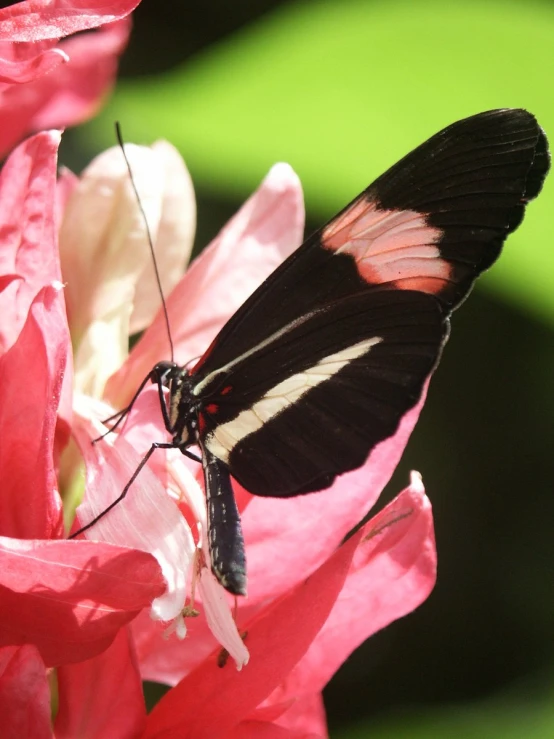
71, 93
267, 229
391, 574
78, 89
220, 619
102, 697
65, 409
29, 255
259, 730
35, 20
69, 598
304, 715
24, 694
25, 52
23, 71
269, 713
168, 661
31, 375
212, 701
288, 539
66, 183
147, 519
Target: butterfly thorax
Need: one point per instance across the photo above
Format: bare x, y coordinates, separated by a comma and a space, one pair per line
182, 407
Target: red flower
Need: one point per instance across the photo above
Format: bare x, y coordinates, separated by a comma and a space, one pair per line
44, 83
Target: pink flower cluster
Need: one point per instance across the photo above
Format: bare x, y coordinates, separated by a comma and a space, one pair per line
84, 622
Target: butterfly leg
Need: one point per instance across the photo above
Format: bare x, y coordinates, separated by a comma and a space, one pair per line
144, 460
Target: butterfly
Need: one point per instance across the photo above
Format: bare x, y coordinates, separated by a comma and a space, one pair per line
324, 359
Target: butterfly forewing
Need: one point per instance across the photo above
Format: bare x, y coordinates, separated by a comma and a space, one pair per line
433, 223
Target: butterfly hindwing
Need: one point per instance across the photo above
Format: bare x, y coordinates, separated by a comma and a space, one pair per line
309, 404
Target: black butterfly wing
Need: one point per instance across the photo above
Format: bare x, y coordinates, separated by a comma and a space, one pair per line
364, 304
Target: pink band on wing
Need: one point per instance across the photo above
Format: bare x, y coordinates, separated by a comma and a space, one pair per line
390, 246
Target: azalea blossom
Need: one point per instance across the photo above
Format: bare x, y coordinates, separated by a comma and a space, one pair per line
46, 82
99, 609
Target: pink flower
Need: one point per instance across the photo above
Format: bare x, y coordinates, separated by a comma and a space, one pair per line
44, 83
86, 606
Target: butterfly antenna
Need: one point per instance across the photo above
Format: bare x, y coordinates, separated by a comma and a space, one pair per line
148, 235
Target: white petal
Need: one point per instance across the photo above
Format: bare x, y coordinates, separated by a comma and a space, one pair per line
104, 250
220, 619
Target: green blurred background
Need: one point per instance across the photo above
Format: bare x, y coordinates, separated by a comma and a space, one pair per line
341, 90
